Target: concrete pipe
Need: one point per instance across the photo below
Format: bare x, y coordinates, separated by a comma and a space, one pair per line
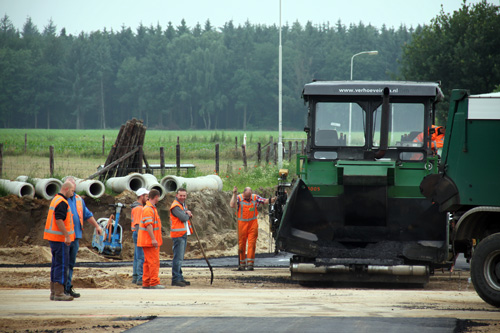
131, 182
92, 188
152, 183
21, 189
172, 183
45, 188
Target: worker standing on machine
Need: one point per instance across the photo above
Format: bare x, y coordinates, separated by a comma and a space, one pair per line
437, 137
60, 232
248, 227
150, 239
80, 214
136, 212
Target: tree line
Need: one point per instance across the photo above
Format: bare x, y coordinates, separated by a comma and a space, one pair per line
224, 78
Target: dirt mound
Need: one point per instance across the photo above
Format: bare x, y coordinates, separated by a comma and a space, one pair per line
23, 221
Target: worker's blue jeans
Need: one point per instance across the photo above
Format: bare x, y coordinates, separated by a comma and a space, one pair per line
138, 258
60, 262
73, 251
179, 248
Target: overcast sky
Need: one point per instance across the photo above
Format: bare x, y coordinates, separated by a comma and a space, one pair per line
91, 15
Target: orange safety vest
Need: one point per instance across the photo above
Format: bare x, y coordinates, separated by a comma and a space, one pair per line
79, 208
178, 228
247, 211
436, 140
149, 216
136, 215
52, 231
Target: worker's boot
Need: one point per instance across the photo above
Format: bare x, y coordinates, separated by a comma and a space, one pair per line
241, 267
250, 267
51, 290
72, 292
59, 294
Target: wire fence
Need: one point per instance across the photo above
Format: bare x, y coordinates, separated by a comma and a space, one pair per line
80, 159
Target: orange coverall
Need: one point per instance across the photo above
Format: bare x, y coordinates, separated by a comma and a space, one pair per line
248, 229
151, 268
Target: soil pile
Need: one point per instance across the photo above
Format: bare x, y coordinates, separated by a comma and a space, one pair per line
23, 220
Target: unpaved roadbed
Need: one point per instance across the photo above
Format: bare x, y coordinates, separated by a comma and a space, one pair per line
263, 292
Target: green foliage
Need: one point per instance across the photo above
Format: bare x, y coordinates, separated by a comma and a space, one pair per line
459, 49
88, 143
255, 176
3, 191
178, 77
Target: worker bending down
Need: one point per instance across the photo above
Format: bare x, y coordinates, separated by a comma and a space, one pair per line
248, 226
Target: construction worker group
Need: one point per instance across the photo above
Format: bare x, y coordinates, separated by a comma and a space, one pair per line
67, 213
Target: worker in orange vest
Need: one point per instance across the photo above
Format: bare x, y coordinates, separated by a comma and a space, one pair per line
150, 239
437, 137
248, 226
179, 230
80, 214
136, 212
60, 232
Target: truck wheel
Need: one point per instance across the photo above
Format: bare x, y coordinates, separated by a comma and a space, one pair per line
485, 269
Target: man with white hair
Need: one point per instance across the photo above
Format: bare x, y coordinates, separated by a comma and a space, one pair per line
80, 214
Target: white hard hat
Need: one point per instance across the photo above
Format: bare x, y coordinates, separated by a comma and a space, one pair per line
141, 191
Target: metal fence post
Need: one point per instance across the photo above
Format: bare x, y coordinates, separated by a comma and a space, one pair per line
51, 161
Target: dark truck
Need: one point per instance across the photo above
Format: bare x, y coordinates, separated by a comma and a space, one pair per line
356, 212
468, 186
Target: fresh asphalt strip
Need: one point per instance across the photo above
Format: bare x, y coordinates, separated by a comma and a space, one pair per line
299, 324
281, 259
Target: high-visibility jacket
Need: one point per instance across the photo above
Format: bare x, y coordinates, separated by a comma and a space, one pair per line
52, 231
149, 217
247, 210
177, 227
136, 215
437, 140
79, 208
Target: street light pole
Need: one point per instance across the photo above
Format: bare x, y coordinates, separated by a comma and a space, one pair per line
280, 102
350, 104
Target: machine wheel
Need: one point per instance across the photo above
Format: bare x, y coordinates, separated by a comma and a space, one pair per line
485, 269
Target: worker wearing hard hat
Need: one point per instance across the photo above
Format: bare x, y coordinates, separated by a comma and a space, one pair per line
136, 214
150, 239
248, 226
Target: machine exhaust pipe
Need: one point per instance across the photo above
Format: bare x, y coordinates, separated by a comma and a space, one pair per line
384, 124
407, 270
45, 188
21, 189
153, 184
172, 183
131, 182
92, 188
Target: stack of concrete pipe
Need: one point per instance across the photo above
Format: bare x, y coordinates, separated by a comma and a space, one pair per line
93, 188
131, 182
153, 184
45, 188
172, 183
21, 189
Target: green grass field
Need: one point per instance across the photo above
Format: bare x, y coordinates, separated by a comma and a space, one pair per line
79, 152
